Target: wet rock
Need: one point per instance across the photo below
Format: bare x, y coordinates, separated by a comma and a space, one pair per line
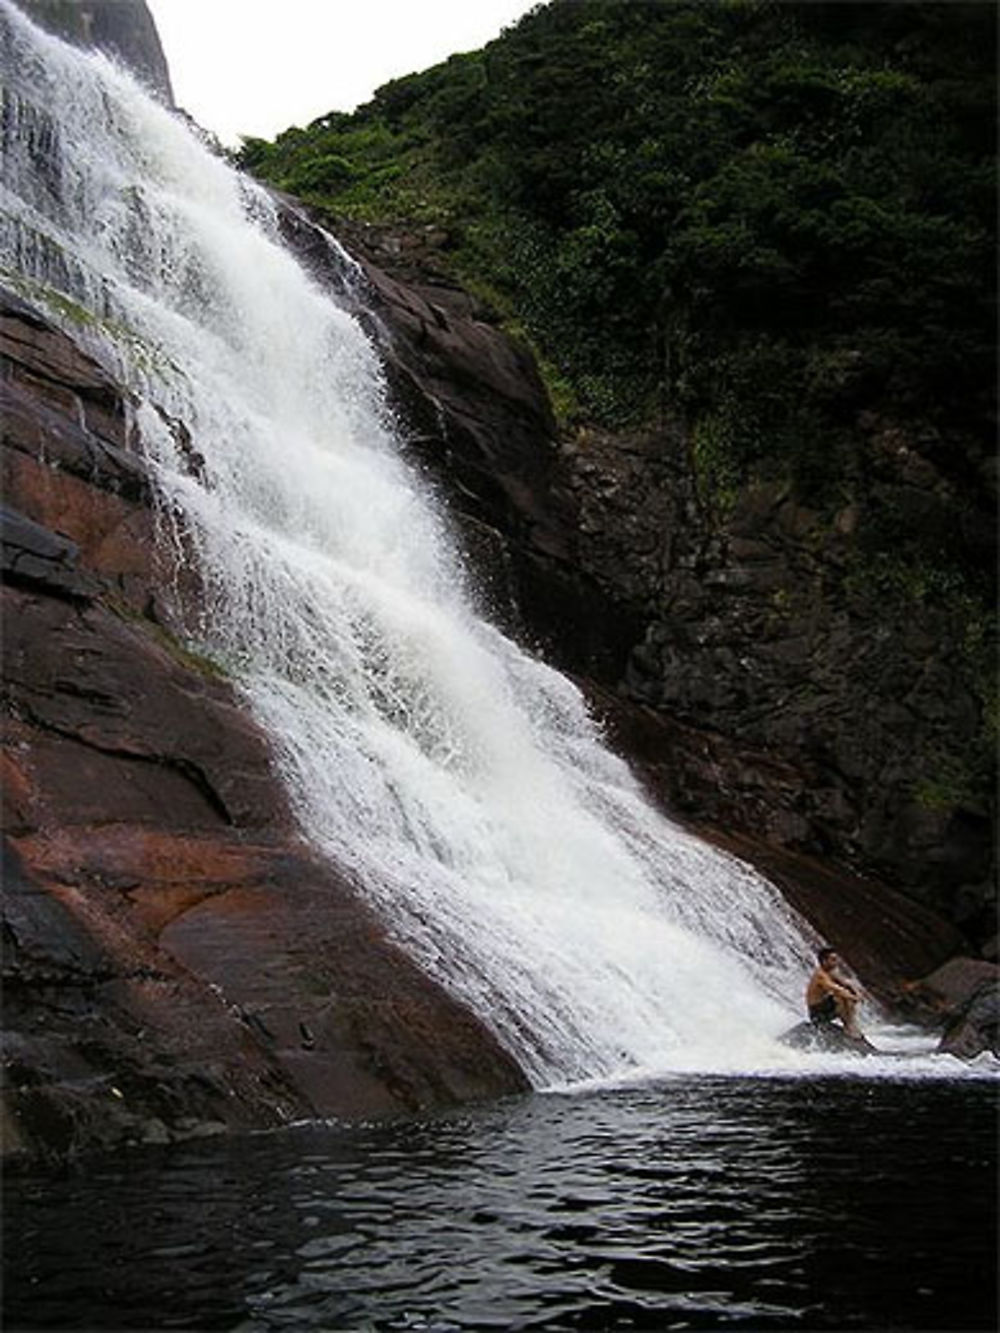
171, 937
58, 374
36, 557
976, 1027
741, 624
962, 997
476, 422
751, 633
827, 1038
886, 936
168, 938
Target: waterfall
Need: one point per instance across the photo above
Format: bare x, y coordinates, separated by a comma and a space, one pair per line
459, 780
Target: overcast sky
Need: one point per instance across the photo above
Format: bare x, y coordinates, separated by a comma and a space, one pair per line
257, 66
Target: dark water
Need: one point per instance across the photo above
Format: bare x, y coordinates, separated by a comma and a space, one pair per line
708, 1203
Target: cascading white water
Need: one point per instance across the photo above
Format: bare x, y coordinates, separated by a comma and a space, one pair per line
461, 781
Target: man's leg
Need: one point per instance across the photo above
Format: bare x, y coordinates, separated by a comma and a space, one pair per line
848, 1010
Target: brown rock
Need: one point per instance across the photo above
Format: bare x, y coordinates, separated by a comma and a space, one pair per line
114, 535
58, 374
953, 984
176, 958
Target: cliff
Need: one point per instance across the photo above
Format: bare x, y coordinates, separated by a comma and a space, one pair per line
754, 247
123, 29
176, 960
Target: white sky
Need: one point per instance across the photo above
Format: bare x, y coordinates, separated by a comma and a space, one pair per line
256, 66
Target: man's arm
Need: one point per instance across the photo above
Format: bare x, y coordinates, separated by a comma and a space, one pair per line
836, 986
849, 991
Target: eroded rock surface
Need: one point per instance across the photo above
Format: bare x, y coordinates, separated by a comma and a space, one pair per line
838, 719
176, 960
962, 998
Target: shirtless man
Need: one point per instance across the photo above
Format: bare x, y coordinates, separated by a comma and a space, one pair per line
829, 996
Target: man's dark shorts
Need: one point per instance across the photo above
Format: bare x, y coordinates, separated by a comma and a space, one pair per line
824, 1012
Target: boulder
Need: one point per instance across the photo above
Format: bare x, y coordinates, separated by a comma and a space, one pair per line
962, 997
975, 1028
828, 1038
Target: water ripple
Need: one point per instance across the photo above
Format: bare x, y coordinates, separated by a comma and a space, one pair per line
744, 1204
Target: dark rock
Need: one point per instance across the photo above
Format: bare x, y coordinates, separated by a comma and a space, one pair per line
951, 985
57, 372
47, 438
886, 935
477, 424
180, 960
826, 1037
962, 997
751, 633
36, 557
67, 464
976, 1027
824, 714
122, 28
760, 642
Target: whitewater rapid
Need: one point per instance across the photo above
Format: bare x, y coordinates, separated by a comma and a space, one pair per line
460, 781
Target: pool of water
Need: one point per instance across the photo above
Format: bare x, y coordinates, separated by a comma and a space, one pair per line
768, 1203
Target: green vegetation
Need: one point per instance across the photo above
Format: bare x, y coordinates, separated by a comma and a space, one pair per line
137, 351
952, 782
55, 302
189, 658
771, 215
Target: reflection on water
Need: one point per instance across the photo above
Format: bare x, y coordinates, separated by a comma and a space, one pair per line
826, 1204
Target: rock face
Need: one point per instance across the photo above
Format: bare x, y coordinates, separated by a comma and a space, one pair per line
175, 960
476, 420
834, 714
123, 28
787, 696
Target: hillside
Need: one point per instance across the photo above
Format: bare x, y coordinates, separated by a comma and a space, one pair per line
770, 217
